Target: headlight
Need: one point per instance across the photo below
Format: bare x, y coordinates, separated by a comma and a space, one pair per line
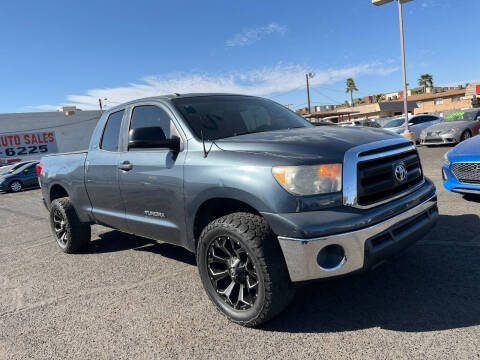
445, 157
309, 180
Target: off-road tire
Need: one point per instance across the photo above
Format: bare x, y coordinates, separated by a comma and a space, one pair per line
78, 234
275, 290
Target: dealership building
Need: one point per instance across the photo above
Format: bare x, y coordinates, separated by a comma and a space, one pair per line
29, 136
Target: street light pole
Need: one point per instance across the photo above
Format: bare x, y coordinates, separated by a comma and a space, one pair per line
404, 69
402, 43
308, 94
309, 75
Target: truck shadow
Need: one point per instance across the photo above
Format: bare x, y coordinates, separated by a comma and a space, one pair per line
472, 198
433, 286
113, 241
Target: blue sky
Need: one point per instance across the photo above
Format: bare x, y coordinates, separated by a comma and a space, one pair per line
73, 52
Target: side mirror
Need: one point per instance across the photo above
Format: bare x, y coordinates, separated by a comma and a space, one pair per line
151, 137
25, 171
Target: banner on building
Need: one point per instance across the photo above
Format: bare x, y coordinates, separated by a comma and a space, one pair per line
16, 147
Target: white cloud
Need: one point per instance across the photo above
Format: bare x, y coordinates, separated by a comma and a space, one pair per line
251, 35
264, 81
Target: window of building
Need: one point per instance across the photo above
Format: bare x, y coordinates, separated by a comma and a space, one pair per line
153, 116
419, 103
438, 101
112, 131
456, 99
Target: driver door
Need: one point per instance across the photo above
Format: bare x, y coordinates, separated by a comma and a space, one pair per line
151, 183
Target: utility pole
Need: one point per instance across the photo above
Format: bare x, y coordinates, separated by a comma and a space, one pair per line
100, 104
309, 75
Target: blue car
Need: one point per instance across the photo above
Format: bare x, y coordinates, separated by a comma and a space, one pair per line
19, 176
461, 169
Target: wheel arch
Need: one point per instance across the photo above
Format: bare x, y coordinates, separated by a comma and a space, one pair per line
57, 191
214, 208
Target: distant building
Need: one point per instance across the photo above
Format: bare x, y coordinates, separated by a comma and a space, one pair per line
29, 136
445, 100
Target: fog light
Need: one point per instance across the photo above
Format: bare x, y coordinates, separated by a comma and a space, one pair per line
444, 174
331, 257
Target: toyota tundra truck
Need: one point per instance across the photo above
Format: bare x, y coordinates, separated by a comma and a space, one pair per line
264, 199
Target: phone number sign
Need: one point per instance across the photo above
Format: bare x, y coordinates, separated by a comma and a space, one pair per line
27, 144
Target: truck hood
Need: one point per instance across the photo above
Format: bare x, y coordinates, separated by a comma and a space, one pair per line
446, 125
328, 143
470, 147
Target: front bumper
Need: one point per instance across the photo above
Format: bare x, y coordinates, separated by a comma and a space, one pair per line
363, 248
440, 139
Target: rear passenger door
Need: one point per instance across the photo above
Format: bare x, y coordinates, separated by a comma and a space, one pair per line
152, 185
101, 175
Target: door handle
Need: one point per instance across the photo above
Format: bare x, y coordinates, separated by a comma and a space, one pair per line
125, 166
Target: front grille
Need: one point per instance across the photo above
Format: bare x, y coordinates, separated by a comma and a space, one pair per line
376, 179
467, 173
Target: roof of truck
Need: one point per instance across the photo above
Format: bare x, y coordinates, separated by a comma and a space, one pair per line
174, 96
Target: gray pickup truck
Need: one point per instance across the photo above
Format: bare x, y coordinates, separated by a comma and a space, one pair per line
262, 197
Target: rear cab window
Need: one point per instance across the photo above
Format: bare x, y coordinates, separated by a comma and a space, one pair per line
111, 132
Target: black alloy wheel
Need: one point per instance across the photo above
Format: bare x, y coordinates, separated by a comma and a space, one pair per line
232, 273
60, 228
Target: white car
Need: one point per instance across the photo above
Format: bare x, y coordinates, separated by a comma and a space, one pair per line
415, 124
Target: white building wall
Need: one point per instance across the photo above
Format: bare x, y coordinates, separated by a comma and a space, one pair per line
72, 132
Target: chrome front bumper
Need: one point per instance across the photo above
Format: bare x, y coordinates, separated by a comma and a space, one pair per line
362, 248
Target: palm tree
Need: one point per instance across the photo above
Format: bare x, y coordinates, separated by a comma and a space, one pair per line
351, 87
425, 80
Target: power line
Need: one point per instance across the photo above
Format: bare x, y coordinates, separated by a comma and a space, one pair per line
328, 97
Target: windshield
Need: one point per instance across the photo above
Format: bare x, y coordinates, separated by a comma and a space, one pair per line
15, 167
394, 123
223, 116
460, 116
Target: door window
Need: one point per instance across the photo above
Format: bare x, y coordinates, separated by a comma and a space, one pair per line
112, 131
153, 116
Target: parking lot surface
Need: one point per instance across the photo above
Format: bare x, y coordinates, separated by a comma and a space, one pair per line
129, 297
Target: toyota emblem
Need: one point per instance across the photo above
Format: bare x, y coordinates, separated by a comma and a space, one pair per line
400, 172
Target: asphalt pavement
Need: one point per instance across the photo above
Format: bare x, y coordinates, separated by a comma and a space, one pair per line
127, 297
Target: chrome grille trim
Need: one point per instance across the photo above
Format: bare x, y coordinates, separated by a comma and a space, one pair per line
350, 169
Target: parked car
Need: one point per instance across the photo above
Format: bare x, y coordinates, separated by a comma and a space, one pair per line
461, 168
20, 176
454, 128
264, 198
416, 124
350, 123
